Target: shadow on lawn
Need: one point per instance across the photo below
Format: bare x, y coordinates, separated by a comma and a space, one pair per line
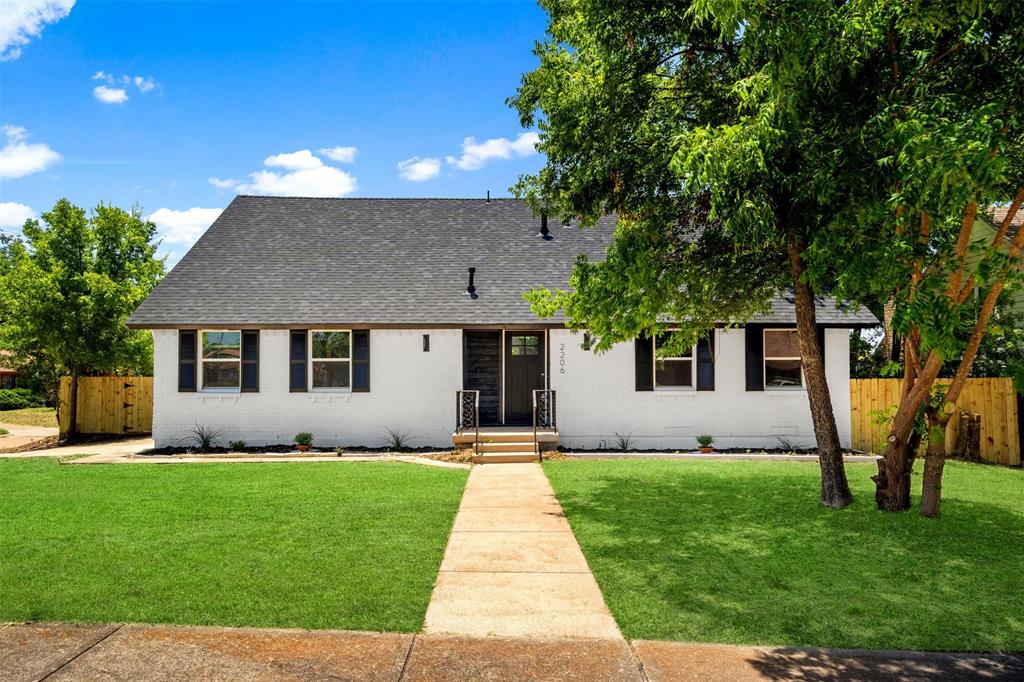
822, 665
723, 553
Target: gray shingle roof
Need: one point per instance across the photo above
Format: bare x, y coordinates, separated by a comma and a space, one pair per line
301, 261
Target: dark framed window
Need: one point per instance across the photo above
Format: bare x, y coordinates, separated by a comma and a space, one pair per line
674, 371
783, 369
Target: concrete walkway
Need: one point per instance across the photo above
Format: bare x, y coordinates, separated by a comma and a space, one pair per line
148, 652
513, 567
22, 434
123, 448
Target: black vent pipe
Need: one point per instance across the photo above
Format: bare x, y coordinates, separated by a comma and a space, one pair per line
545, 233
471, 290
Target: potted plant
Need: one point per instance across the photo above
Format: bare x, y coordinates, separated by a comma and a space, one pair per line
303, 441
705, 440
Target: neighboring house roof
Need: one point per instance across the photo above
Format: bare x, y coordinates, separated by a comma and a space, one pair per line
300, 261
999, 215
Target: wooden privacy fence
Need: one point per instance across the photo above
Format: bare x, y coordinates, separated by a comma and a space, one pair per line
109, 405
994, 399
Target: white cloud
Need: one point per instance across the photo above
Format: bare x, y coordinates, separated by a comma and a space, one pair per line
109, 95
419, 170
13, 216
475, 155
183, 227
22, 20
144, 84
304, 175
300, 160
19, 158
340, 154
103, 76
229, 183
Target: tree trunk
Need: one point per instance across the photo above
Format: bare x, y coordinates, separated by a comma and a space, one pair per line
72, 431
835, 489
935, 461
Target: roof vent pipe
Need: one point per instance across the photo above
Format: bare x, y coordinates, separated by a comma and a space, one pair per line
545, 233
471, 290
488, 196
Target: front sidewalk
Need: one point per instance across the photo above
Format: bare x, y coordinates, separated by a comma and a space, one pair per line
144, 652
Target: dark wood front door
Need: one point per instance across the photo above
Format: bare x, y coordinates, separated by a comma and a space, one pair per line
524, 372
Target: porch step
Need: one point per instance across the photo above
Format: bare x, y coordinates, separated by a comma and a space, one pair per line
506, 458
506, 446
505, 436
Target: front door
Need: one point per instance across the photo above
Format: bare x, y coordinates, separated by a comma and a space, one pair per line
524, 373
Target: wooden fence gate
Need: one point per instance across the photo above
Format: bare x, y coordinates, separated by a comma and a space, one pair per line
109, 405
994, 399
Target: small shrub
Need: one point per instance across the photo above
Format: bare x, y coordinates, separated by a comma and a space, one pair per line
237, 445
4, 432
19, 399
787, 445
705, 440
623, 441
339, 451
397, 439
205, 437
303, 438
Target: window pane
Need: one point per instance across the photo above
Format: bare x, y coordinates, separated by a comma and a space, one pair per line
532, 340
220, 374
662, 340
673, 373
330, 375
517, 350
782, 374
331, 345
222, 345
781, 344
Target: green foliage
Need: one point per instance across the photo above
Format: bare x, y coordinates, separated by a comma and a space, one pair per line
623, 441
205, 437
705, 440
397, 439
237, 445
68, 285
303, 438
827, 127
19, 399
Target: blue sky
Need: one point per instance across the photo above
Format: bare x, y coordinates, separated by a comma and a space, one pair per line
178, 106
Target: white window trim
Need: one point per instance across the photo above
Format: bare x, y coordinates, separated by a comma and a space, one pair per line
764, 362
310, 359
654, 367
203, 361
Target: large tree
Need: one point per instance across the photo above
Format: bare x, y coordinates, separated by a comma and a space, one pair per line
851, 142
68, 285
667, 118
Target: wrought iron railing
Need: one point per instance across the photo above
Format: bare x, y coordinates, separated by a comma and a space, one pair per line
467, 415
543, 415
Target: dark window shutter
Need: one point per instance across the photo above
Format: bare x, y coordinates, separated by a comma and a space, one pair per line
250, 361
187, 357
297, 361
361, 361
755, 357
706, 362
644, 364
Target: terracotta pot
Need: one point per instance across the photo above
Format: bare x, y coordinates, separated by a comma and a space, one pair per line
706, 451
302, 448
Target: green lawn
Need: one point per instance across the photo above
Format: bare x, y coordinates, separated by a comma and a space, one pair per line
741, 552
30, 416
318, 545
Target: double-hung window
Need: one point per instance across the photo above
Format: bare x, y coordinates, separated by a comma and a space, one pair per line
221, 360
330, 359
672, 371
782, 367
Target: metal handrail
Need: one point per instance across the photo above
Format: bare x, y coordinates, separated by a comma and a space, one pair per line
548, 417
460, 414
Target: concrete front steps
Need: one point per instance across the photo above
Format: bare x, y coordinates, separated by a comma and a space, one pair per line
505, 445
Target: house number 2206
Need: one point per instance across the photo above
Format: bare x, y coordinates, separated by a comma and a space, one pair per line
561, 358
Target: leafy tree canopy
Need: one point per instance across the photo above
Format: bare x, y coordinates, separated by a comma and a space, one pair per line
68, 285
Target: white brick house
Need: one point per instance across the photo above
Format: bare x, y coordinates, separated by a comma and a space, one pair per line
349, 317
